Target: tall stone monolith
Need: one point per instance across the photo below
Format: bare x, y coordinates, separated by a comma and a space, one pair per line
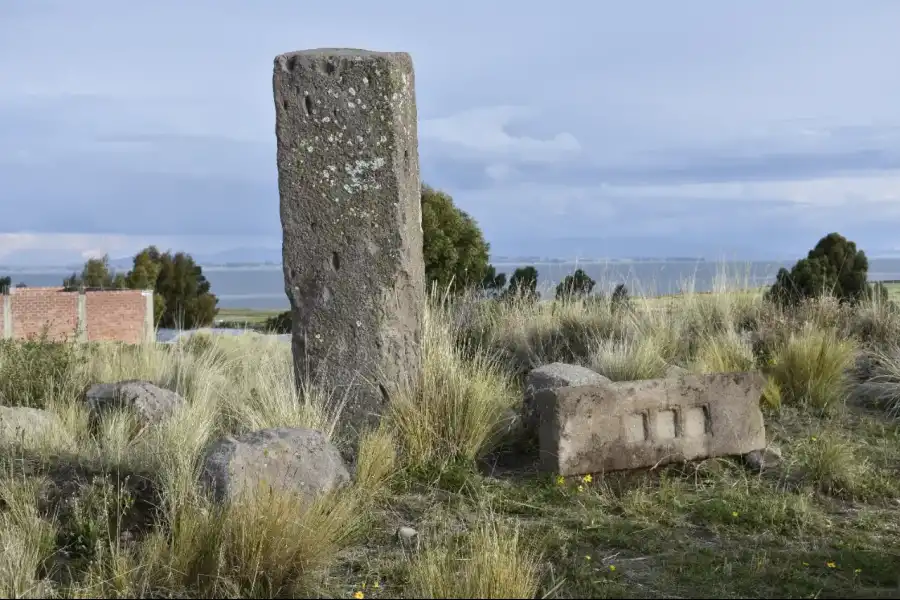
348, 177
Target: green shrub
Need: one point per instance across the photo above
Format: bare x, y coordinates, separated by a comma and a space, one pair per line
577, 285
620, 299
280, 323
834, 267
456, 255
32, 372
523, 285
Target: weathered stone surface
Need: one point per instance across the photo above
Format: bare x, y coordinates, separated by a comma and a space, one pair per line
24, 425
674, 371
761, 460
546, 377
284, 459
635, 424
559, 374
348, 177
150, 403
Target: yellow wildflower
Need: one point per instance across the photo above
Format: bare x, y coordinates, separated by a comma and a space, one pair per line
587, 557
560, 480
359, 595
735, 514
612, 567
587, 478
830, 564
580, 488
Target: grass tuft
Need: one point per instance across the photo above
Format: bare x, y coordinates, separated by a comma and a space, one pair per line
451, 413
811, 368
490, 561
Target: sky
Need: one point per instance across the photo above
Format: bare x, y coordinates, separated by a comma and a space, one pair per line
571, 129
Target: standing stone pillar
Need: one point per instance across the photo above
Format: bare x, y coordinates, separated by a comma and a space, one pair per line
348, 177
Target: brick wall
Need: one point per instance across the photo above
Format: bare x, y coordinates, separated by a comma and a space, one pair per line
34, 308
115, 315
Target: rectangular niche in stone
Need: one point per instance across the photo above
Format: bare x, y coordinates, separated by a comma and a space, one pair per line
637, 424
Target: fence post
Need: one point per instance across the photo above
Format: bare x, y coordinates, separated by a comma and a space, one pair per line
149, 325
81, 318
7, 316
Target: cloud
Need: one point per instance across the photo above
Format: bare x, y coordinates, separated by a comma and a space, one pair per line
677, 128
483, 131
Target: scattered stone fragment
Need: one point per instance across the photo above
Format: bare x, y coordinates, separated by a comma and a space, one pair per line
150, 403
639, 424
550, 376
406, 535
284, 459
674, 371
760, 460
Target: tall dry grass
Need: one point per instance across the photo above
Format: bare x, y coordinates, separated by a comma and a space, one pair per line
451, 412
811, 368
474, 355
491, 560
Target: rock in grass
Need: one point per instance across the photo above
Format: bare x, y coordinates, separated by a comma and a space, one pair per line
760, 460
674, 372
150, 403
284, 459
554, 375
407, 535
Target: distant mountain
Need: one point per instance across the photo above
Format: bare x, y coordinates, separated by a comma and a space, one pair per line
249, 255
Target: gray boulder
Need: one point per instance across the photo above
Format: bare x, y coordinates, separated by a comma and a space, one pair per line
674, 372
21, 424
546, 377
286, 459
150, 403
761, 460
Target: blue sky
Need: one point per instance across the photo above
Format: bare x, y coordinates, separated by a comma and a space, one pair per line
586, 128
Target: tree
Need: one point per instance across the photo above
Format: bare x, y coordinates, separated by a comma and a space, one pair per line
181, 298
576, 285
280, 323
5, 283
834, 266
620, 299
493, 282
188, 303
143, 275
523, 284
456, 255
95, 274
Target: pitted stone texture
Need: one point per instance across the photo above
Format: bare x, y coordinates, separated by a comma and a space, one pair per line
762, 460
295, 460
547, 377
636, 424
150, 403
348, 177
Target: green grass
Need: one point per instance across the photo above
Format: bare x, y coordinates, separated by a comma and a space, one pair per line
893, 290
115, 511
245, 315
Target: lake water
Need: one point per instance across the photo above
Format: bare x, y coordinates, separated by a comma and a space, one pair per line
262, 288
